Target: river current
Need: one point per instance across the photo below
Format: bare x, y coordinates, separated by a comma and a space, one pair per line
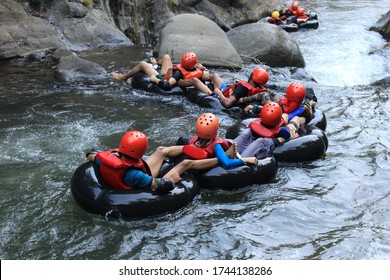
334, 208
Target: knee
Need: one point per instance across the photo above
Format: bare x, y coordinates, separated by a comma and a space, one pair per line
165, 57
193, 81
186, 164
142, 64
162, 151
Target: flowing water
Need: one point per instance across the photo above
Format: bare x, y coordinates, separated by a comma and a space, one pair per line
333, 208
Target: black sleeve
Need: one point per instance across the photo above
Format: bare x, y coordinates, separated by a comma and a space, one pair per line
239, 92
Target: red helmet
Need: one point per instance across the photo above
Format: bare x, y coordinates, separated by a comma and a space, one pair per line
134, 144
295, 92
260, 76
271, 114
294, 5
207, 126
188, 60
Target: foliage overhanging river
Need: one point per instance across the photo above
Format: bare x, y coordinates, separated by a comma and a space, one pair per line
334, 208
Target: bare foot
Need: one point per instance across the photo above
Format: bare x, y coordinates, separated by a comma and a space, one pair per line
232, 151
118, 76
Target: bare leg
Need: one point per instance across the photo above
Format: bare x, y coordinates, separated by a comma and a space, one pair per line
187, 164
143, 66
214, 78
156, 159
166, 64
197, 84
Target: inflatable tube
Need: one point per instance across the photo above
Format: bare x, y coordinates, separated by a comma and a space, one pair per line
310, 23
218, 177
318, 120
308, 147
142, 81
313, 15
212, 102
264, 172
95, 196
311, 145
289, 27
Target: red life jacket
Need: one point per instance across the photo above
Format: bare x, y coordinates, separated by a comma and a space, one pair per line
196, 73
196, 152
288, 106
262, 131
114, 168
251, 89
277, 21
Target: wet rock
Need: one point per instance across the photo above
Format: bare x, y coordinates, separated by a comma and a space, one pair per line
22, 34
207, 40
51, 25
382, 26
266, 43
72, 68
382, 82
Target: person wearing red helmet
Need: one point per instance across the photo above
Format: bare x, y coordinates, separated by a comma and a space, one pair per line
294, 13
264, 133
247, 91
206, 144
191, 73
124, 168
161, 68
294, 104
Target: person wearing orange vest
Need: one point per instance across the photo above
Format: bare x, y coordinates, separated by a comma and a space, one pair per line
293, 103
206, 144
124, 168
277, 19
191, 73
265, 133
247, 91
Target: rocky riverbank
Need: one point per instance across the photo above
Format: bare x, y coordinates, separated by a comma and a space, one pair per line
224, 34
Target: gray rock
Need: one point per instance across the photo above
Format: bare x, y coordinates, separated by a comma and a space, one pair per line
22, 34
266, 43
207, 40
382, 26
73, 68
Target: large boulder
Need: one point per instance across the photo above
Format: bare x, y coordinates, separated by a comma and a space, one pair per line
266, 43
72, 68
82, 27
50, 25
382, 26
192, 32
143, 20
22, 34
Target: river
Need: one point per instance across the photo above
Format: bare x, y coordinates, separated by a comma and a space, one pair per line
334, 208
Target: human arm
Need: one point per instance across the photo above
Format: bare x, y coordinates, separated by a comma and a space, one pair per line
224, 160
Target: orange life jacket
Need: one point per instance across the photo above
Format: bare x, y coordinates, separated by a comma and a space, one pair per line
264, 131
251, 89
114, 168
288, 106
196, 73
196, 152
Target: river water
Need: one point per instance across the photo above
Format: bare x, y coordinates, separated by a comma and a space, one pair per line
334, 208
